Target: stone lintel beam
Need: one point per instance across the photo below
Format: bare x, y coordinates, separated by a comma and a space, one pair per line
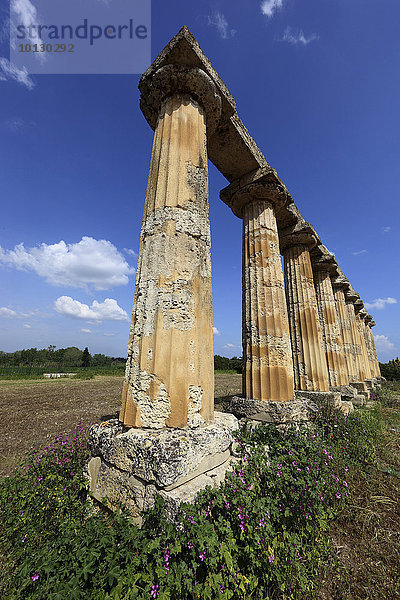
230, 146
300, 234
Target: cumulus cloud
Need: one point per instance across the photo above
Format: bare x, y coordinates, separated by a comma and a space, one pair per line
218, 20
295, 37
386, 229
88, 263
10, 71
383, 344
231, 346
86, 331
131, 252
98, 311
215, 331
380, 303
27, 326
359, 252
7, 312
269, 7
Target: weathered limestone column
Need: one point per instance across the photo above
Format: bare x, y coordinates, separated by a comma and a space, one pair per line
338, 285
370, 343
360, 313
374, 357
267, 355
351, 296
169, 380
309, 361
323, 267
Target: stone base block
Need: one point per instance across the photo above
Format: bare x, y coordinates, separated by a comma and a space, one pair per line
371, 383
129, 468
334, 398
347, 392
362, 388
293, 411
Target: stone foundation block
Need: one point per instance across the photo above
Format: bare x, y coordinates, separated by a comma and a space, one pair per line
333, 398
272, 412
129, 468
347, 392
362, 388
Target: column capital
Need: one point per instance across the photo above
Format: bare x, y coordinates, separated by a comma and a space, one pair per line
264, 184
358, 306
340, 282
350, 294
323, 262
300, 234
180, 80
368, 319
363, 314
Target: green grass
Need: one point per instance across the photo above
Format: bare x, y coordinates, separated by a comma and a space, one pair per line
267, 533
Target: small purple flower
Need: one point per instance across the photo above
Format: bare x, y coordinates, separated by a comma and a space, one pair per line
345, 484
271, 558
202, 556
154, 591
35, 576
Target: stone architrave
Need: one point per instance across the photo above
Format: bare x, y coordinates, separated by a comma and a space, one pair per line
360, 313
169, 380
309, 361
323, 267
351, 296
267, 354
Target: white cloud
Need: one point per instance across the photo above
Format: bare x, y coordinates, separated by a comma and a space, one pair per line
27, 326
218, 20
383, 344
109, 334
10, 71
295, 37
380, 303
230, 346
88, 263
86, 331
104, 311
26, 15
386, 229
269, 7
216, 331
359, 252
131, 252
7, 312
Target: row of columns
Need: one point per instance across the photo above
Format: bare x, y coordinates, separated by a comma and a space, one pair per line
304, 327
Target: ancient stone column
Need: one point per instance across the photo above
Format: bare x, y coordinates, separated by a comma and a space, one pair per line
309, 360
368, 341
267, 355
359, 308
375, 363
351, 296
323, 267
338, 286
169, 380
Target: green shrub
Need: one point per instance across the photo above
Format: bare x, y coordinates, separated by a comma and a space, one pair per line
257, 536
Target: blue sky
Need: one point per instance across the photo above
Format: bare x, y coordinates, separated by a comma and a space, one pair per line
316, 83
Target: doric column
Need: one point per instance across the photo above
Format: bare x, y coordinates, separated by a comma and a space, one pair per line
374, 357
267, 355
351, 296
323, 267
369, 344
169, 380
338, 285
309, 361
360, 311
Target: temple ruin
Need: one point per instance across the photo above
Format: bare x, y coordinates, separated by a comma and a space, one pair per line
306, 333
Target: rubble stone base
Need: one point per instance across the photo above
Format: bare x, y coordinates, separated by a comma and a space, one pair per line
130, 468
292, 411
333, 398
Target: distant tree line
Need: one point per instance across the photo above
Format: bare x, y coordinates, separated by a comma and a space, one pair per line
64, 358
391, 369
221, 363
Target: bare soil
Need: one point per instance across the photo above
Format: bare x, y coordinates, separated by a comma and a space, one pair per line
33, 412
